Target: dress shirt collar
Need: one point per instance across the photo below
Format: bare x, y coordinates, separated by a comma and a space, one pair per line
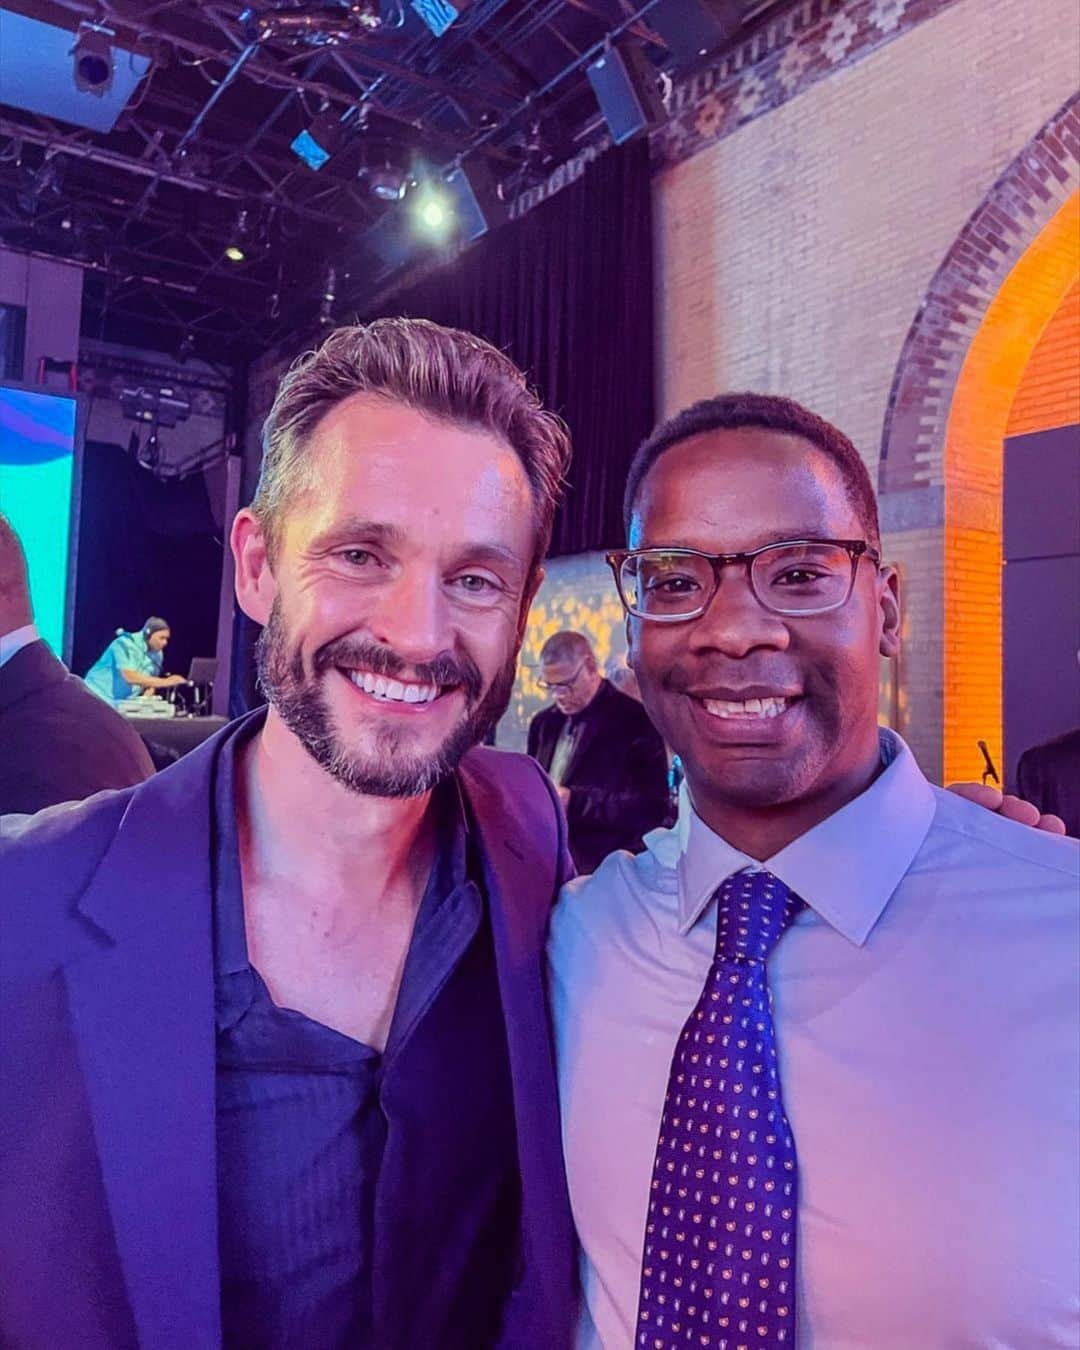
16, 640
845, 869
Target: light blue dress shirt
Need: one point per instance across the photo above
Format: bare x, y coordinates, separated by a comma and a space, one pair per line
927, 1012
14, 641
127, 651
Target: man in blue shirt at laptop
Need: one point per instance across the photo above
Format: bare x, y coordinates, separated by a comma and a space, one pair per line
131, 664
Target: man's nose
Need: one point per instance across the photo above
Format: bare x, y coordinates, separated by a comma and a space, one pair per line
413, 619
736, 622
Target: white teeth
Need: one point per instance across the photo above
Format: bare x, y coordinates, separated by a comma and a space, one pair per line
751, 707
395, 691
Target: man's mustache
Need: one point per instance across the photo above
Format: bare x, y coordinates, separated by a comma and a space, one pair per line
443, 670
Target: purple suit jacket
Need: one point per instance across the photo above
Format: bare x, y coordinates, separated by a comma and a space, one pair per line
108, 1186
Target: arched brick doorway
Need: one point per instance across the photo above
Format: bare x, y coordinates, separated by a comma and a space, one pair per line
940, 471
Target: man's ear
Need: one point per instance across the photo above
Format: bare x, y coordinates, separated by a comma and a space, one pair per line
888, 583
630, 652
256, 589
527, 598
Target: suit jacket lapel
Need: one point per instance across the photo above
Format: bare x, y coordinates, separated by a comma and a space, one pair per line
143, 1012
588, 730
549, 737
520, 861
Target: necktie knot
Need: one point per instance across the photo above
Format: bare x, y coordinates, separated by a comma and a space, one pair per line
753, 910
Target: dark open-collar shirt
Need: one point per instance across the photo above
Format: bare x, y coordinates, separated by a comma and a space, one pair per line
300, 1128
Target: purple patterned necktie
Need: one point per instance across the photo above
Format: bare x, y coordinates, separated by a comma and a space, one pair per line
719, 1262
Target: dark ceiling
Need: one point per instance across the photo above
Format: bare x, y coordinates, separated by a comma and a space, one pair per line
149, 207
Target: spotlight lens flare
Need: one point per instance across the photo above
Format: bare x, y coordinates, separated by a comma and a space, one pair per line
433, 212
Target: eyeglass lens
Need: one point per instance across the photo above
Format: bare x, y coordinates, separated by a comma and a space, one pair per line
787, 578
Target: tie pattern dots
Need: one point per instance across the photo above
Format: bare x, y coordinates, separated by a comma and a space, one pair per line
718, 1271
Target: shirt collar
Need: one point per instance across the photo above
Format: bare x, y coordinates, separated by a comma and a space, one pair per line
16, 640
846, 868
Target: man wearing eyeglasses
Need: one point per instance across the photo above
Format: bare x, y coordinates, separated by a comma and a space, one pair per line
817, 1044
607, 762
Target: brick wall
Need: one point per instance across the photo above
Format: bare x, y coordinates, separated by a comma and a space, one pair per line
1049, 393
971, 465
796, 250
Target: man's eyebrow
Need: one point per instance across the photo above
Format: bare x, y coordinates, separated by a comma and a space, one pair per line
494, 554
350, 529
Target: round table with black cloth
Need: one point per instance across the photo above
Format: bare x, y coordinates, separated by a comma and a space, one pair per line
167, 738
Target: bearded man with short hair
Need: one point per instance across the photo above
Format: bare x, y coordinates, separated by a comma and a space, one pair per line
297, 1090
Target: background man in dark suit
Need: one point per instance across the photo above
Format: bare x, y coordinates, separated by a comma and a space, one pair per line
58, 743
296, 1087
1049, 776
607, 761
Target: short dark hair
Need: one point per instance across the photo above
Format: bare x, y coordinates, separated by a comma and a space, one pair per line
730, 412
565, 646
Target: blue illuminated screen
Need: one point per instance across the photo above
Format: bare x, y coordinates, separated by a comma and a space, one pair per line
37, 472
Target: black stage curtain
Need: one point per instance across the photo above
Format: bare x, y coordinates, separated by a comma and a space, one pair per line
567, 293
145, 547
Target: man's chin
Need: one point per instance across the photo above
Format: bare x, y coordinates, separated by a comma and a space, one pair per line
386, 762
749, 780
376, 756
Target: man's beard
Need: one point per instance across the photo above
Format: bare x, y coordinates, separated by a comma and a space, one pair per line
388, 769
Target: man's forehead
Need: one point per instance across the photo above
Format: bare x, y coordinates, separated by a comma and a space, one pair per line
413, 465
750, 481
370, 426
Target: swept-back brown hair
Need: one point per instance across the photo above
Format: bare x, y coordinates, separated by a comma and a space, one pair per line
447, 374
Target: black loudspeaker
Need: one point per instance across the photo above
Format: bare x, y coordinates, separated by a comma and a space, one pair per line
627, 89
693, 28
477, 205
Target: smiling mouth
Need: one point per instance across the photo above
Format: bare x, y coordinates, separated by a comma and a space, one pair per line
746, 709
384, 689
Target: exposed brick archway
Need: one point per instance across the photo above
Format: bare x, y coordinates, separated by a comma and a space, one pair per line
941, 469
1026, 196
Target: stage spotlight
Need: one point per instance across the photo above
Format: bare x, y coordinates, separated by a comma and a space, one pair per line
235, 250
477, 203
149, 455
93, 59
323, 138
439, 14
387, 183
432, 211
329, 295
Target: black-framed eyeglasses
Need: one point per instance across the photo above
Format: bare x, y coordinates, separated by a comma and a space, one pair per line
562, 686
792, 576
